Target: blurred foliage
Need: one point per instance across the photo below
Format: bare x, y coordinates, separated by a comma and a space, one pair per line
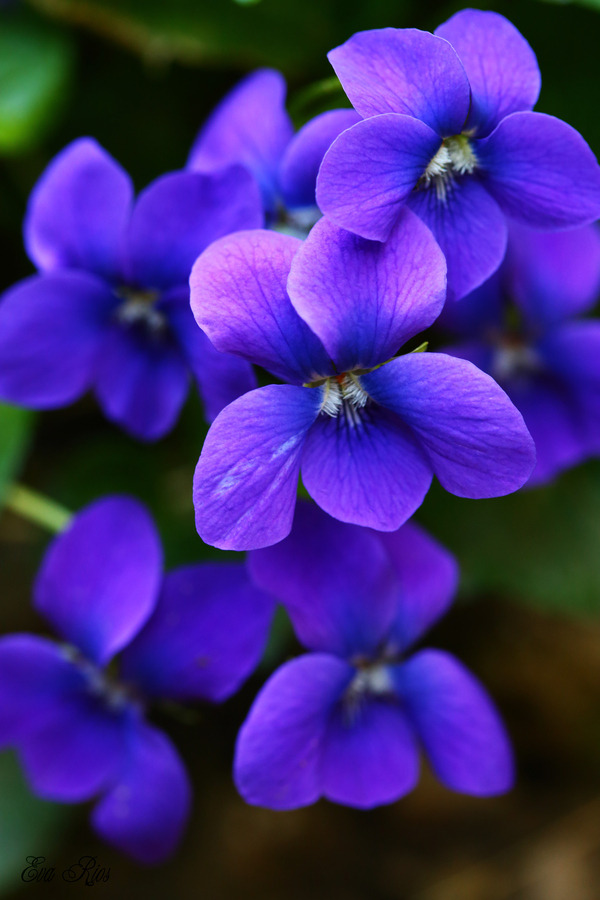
15, 432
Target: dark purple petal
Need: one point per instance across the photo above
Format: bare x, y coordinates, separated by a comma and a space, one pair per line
364, 299
179, 215
474, 437
335, 581
145, 813
469, 227
478, 313
78, 211
246, 478
277, 757
250, 126
368, 472
304, 154
100, 578
403, 70
501, 66
51, 328
205, 636
240, 300
462, 732
370, 170
541, 171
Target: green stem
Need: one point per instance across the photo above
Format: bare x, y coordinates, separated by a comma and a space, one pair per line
37, 508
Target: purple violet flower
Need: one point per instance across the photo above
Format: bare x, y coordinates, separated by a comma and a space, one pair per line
368, 431
344, 721
110, 307
195, 633
448, 130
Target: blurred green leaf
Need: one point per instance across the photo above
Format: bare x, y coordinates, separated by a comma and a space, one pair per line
15, 431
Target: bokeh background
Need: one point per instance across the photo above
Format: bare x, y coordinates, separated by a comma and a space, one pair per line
141, 76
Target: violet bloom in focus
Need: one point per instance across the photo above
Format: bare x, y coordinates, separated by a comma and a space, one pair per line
448, 130
367, 431
345, 721
80, 734
109, 310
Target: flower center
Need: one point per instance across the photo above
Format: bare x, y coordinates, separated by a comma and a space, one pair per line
371, 680
513, 358
344, 393
455, 157
138, 307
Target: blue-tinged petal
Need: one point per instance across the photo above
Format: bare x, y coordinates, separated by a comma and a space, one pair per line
371, 169
365, 467
335, 580
100, 578
247, 475
205, 636
470, 228
78, 211
474, 437
240, 300
458, 724
365, 299
179, 215
277, 757
51, 329
501, 66
541, 171
250, 126
145, 812
403, 70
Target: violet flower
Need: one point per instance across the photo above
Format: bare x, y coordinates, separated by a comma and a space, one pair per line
448, 130
110, 307
80, 734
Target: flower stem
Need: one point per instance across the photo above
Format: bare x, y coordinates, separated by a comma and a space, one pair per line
37, 508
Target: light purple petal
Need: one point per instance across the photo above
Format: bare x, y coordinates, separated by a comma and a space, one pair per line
279, 745
475, 438
371, 472
335, 581
364, 299
78, 211
371, 169
51, 328
403, 70
100, 578
145, 813
462, 732
541, 171
205, 636
246, 478
240, 300
501, 66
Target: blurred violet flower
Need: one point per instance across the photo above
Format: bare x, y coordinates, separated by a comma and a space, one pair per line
521, 327
251, 127
345, 720
368, 431
448, 130
80, 733
110, 307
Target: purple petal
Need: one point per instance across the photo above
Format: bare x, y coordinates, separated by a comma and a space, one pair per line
78, 211
368, 472
250, 126
501, 66
278, 749
475, 438
364, 299
371, 169
469, 227
100, 578
541, 171
145, 813
335, 581
246, 478
179, 215
463, 735
403, 70
51, 328
304, 154
205, 636
240, 300
478, 313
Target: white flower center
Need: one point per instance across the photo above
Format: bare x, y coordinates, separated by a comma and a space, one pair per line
511, 360
455, 157
344, 393
139, 308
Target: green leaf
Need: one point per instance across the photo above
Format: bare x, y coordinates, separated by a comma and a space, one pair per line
15, 431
